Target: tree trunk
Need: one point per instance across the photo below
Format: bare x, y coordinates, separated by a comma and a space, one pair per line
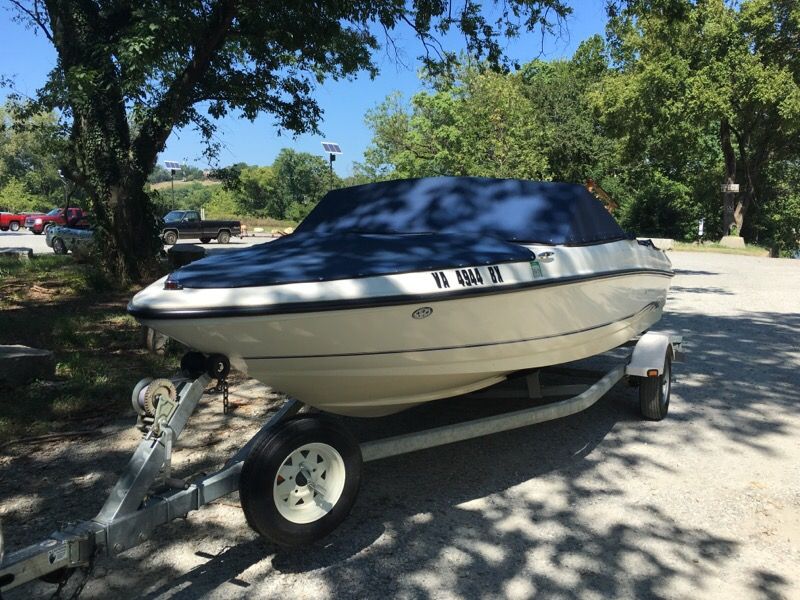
729, 198
740, 210
126, 237
748, 163
129, 244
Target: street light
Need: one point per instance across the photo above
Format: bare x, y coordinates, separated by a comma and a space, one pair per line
65, 181
173, 166
332, 148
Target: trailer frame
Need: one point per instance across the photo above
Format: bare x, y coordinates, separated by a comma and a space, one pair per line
146, 497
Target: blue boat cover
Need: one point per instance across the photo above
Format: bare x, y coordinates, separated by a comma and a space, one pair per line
509, 209
413, 225
302, 257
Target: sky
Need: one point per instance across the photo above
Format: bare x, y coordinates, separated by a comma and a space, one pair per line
26, 58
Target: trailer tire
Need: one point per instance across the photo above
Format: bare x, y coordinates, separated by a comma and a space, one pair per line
223, 237
59, 247
654, 393
278, 488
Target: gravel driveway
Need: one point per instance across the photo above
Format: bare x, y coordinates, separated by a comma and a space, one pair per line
598, 505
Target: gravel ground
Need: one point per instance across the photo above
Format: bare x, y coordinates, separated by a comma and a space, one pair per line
705, 504
26, 239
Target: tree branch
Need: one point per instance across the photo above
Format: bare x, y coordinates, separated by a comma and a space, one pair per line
36, 16
157, 127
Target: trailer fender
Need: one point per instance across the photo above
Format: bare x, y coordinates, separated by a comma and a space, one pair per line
650, 353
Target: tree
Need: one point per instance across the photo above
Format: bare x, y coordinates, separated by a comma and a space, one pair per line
128, 73
558, 93
690, 71
477, 123
301, 179
31, 145
256, 192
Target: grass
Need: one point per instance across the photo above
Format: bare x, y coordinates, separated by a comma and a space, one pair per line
748, 250
267, 223
166, 185
54, 303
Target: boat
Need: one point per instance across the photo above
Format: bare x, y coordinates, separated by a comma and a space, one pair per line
392, 294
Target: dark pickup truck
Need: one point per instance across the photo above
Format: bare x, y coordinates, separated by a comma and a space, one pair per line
185, 224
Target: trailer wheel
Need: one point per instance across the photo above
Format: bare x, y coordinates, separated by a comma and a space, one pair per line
300, 481
654, 393
59, 247
223, 237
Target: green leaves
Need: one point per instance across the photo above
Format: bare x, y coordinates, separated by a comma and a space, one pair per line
477, 124
31, 145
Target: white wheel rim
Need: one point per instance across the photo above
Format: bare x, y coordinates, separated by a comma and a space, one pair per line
309, 483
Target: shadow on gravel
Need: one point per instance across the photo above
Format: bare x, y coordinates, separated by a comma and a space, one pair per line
453, 521
745, 376
717, 291
693, 272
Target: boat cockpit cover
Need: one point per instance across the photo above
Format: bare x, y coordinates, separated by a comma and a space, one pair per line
508, 209
302, 257
413, 225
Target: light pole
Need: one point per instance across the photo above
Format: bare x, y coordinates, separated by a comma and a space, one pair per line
66, 190
173, 166
332, 148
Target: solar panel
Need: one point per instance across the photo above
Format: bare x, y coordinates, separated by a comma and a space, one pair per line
172, 164
332, 147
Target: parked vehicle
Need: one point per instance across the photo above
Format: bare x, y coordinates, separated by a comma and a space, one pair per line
38, 223
62, 239
12, 221
186, 224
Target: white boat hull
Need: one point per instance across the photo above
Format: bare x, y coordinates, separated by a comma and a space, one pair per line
380, 360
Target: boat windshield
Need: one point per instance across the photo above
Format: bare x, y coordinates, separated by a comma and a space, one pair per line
508, 209
173, 216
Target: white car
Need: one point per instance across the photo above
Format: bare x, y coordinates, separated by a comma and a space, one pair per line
64, 239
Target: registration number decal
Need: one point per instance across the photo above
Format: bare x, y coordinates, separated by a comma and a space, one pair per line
469, 277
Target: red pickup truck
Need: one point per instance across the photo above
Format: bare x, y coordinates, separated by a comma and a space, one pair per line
39, 223
12, 221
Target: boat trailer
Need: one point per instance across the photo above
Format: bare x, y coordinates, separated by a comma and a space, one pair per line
146, 496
